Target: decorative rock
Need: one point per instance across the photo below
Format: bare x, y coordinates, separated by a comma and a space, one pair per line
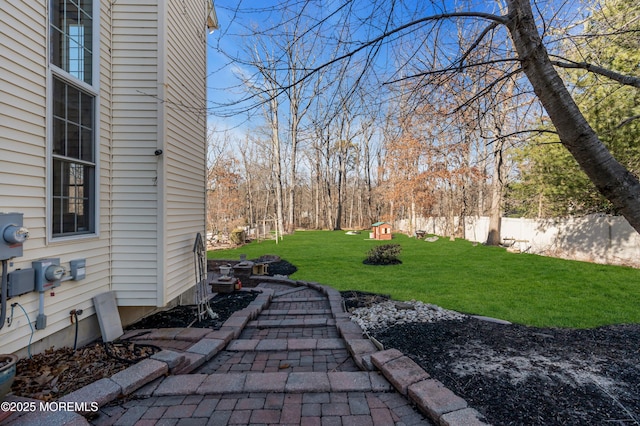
385, 314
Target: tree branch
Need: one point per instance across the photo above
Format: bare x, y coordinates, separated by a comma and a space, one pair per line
501, 20
627, 121
626, 80
475, 44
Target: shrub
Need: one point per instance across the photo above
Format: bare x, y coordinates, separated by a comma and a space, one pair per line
237, 236
385, 254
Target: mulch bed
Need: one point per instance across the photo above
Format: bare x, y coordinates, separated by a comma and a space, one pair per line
361, 299
277, 267
518, 375
224, 305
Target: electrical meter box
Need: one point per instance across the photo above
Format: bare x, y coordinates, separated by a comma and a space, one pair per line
12, 235
48, 273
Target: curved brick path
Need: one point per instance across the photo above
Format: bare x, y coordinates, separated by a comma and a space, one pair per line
288, 366
292, 357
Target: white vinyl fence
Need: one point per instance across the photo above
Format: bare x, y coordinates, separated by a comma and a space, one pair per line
593, 238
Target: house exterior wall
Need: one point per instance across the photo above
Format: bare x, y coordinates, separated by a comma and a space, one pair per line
185, 152
24, 160
136, 220
149, 207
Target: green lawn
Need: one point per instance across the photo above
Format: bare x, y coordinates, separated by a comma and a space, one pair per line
476, 279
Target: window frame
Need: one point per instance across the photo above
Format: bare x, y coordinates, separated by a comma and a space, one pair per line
93, 90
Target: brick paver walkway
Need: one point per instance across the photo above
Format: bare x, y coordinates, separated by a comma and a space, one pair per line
288, 366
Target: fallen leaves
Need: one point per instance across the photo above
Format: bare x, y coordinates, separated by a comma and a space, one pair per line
57, 372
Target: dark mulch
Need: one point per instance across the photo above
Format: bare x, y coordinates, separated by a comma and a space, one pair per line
517, 375
224, 305
279, 267
376, 263
361, 299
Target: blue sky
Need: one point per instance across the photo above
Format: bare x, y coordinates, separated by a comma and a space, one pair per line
222, 85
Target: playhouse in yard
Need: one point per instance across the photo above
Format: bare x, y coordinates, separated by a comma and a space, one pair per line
380, 231
103, 134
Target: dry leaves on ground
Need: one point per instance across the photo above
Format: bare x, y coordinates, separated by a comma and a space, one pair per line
54, 373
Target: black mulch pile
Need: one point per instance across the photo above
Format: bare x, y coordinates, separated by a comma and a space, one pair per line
517, 375
361, 299
224, 305
278, 267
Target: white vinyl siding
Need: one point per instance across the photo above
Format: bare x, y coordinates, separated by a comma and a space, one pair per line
149, 208
158, 201
185, 146
134, 166
23, 68
104, 127
23, 174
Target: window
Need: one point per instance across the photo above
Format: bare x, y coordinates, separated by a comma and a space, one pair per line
73, 105
71, 37
73, 162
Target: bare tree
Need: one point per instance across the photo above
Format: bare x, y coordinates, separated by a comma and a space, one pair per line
266, 83
523, 45
298, 57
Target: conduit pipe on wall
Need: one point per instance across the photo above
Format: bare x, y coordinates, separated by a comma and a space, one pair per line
3, 296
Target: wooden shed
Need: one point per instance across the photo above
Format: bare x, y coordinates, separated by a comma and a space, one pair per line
381, 231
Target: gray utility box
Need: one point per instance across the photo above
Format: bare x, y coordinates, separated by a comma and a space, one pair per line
21, 281
12, 235
48, 273
78, 269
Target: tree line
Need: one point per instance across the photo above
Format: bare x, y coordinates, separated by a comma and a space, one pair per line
366, 111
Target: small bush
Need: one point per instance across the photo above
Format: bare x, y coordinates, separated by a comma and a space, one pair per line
385, 254
237, 236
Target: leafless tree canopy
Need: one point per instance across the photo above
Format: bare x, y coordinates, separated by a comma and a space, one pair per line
455, 83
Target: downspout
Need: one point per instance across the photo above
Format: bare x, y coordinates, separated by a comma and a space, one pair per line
3, 295
210, 15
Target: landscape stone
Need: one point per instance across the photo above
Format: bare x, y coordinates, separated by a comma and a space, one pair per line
434, 398
139, 374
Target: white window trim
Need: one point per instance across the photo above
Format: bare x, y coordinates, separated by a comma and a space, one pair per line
92, 89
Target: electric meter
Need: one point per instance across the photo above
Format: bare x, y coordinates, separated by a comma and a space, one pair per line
15, 234
54, 273
48, 273
12, 235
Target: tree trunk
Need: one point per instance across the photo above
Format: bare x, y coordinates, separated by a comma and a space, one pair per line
612, 179
292, 179
277, 168
495, 214
338, 219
